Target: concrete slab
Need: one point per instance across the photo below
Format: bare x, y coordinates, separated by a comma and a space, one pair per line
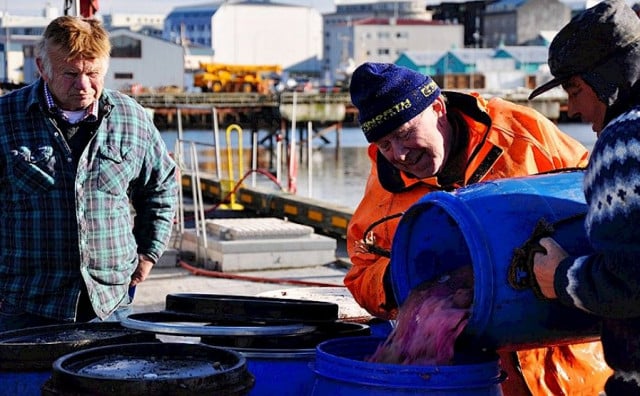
256, 228
249, 244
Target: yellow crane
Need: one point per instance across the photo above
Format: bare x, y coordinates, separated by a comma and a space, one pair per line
224, 77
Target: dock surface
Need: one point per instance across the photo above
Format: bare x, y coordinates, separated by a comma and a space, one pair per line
324, 282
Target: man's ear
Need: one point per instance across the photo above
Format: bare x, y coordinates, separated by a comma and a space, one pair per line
40, 66
439, 106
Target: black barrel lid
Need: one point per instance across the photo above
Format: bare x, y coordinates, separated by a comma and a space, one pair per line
151, 369
38, 347
252, 308
323, 332
185, 324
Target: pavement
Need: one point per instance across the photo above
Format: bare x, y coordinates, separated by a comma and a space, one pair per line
323, 282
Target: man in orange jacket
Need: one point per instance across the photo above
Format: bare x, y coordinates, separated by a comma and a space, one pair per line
424, 140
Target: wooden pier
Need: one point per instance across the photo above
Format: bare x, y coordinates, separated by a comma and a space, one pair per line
251, 110
268, 112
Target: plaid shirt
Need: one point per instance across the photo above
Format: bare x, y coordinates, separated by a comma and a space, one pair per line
62, 225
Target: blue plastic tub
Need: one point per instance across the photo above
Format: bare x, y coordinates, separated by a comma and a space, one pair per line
481, 226
27, 355
341, 370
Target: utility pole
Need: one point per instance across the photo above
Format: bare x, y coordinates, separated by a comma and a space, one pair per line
7, 44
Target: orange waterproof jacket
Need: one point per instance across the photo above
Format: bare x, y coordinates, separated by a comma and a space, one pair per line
505, 140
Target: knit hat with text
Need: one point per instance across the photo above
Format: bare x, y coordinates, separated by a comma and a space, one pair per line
388, 96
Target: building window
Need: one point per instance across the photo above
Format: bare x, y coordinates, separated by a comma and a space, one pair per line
126, 47
123, 76
383, 51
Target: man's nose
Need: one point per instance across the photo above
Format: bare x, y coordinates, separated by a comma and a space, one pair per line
572, 109
82, 82
399, 150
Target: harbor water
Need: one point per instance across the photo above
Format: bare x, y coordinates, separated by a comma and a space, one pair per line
334, 175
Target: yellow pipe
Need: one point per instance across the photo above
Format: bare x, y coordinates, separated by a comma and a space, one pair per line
232, 181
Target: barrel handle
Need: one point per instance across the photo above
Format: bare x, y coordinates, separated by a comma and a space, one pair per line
520, 273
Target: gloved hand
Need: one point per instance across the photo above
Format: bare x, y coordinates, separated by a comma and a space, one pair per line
521, 274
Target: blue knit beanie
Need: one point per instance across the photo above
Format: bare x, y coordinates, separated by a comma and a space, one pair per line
387, 96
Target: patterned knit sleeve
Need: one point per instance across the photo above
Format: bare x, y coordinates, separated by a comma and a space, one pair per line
606, 282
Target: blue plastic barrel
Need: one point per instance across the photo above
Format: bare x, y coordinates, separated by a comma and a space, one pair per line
281, 364
27, 355
341, 369
283, 372
482, 225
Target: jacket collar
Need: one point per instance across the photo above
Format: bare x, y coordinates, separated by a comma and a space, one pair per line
394, 180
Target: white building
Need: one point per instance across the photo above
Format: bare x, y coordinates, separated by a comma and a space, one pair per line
18, 36
138, 60
384, 40
252, 32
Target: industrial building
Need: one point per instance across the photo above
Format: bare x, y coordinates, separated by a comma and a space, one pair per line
252, 32
138, 60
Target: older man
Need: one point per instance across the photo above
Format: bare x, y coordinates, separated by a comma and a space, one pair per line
75, 158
